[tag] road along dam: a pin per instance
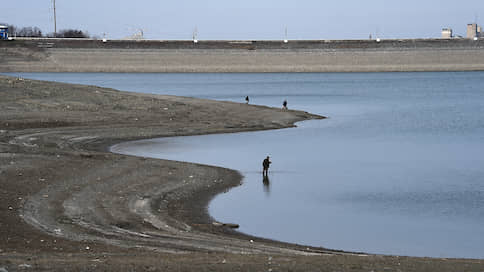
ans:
(86, 55)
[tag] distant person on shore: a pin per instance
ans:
(284, 105)
(265, 166)
(247, 100)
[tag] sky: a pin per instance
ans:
(248, 19)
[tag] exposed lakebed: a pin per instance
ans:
(396, 169)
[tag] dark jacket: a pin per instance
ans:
(266, 163)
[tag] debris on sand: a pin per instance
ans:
(230, 225)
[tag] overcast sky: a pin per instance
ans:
(249, 19)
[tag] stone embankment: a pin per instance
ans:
(75, 55)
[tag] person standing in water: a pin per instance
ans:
(284, 105)
(247, 100)
(265, 166)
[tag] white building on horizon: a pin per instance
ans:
(447, 33)
(474, 31)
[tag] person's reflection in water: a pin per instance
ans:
(267, 184)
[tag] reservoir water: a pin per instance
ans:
(398, 168)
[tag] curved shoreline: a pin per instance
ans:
(87, 207)
(87, 203)
(198, 217)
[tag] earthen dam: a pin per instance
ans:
(86, 55)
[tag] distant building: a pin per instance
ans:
(473, 31)
(136, 36)
(3, 32)
(446, 33)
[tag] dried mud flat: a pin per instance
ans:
(67, 204)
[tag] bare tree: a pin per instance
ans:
(72, 33)
(24, 31)
(29, 32)
(37, 32)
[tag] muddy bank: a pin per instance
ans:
(67, 203)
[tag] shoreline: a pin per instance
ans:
(200, 201)
(86, 203)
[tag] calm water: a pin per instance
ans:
(397, 169)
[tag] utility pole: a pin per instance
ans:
(194, 35)
(285, 35)
(55, 21)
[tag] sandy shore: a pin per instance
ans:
(67, 203)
